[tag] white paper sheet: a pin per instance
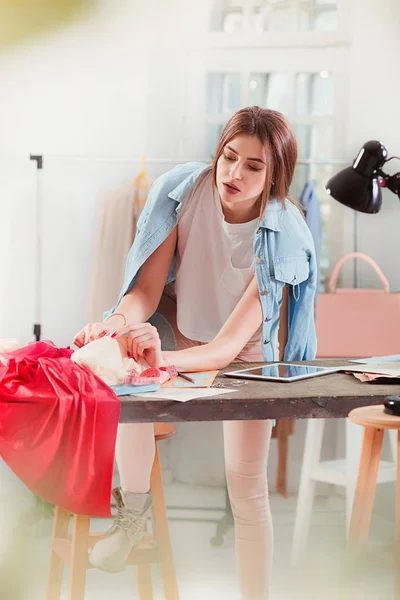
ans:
(391, 358)
(378, 368)
(183, 395)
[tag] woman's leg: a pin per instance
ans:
(135, 452)
(246, 453)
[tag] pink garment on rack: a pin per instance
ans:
(119, 212)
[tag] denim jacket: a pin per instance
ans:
(284, 255)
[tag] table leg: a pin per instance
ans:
(397, 559)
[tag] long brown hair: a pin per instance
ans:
(275, 133)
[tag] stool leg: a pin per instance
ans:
(56, 568)
(160, 523)
(79, 557)
(366, 486)
(397, 561)
(393, 443)
(311, 458)
(144, 582)
(354, 440)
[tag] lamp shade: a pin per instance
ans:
(358, 187)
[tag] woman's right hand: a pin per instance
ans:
(93, 331)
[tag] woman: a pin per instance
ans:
(225, 240)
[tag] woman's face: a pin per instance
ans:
(241, 170)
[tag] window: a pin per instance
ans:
(314, 93)
(318, 15)
(274, 16)
(305, 98)
(309, 107)
(287, 55)
(270, 90)
(223, 93)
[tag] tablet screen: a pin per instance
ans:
(284, 370)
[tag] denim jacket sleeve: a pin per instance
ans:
(288, 251)
(158, 218)
(302, 342)
(164, 197)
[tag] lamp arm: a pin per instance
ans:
(392, 182)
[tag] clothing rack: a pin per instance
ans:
(174, 160)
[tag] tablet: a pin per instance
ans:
(282, 372)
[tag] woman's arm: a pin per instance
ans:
(142, 300)
(230, 340)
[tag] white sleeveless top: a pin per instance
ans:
(215, 264)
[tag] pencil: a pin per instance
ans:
(184, 376)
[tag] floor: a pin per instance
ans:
(207, 572)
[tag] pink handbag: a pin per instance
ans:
(357, 322)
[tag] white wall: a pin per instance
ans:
(119, 83)
(80, 91)
(112, 86)
(373, 114)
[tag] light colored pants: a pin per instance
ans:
(246, 445)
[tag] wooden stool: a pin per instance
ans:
(375, 421)
(338, 472)
(155, 547)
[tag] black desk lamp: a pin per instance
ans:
(359, 186)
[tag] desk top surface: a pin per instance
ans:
(329, 396)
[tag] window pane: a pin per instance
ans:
(303, 135)
(279, 96)
(326, 20)
(213, 133)
(270, 90)
(322, 141)
(315, 141)
(314, 93)
(323, 94)
(322, 173)
(303, 100)
(232, 21)
(258, 89)
(300, 178)
(227, 16)
(275, 15)
(223, 93)
(318, 16)
(271, 16)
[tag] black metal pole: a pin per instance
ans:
(37, 328)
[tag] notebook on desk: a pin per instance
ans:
(203, 379)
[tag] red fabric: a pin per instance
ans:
(58, 426)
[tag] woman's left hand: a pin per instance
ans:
(143, 340)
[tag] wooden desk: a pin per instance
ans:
(330, 396)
